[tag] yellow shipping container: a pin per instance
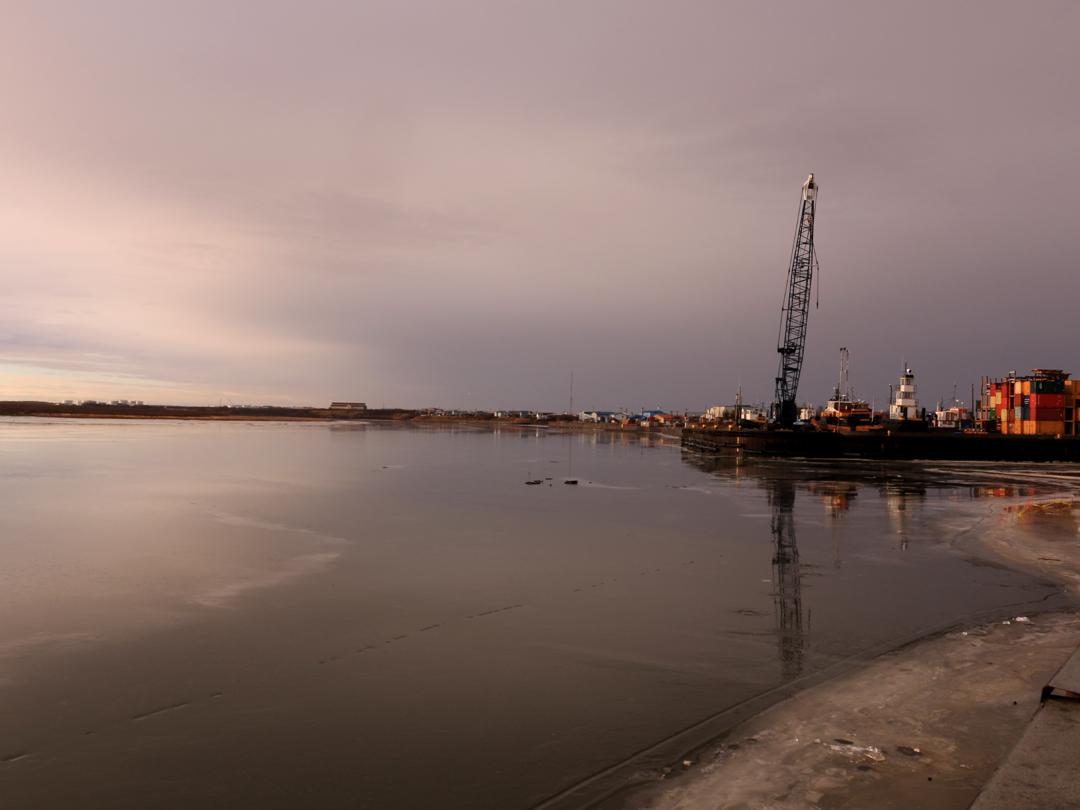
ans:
(1027, 386)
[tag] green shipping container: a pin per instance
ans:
(1048, 387)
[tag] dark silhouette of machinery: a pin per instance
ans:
(796, 309)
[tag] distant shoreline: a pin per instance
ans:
(50, 410)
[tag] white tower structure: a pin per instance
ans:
(906, 405)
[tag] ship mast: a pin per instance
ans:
(796, 309)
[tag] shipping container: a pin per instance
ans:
(1051, 428)
(1049, 386)
(1048, 414)
(1027, 387)
(1048, 400)
(1048, 418)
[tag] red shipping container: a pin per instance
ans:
(1047, 414)
(1047, 401)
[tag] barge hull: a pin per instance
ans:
(884, 446)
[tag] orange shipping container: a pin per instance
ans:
(1049, 428)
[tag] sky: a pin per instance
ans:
(461, 203)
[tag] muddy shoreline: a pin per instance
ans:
(925, 724)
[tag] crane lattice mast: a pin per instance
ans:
(796, 309)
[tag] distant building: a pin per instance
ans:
(348, 406)
(717, 412)
(595, 416)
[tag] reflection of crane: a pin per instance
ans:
(787, 589)
(796, 309)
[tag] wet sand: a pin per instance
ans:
(923, 726)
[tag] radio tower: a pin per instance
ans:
(796, 309)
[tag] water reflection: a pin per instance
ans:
(899, 493)
(837, 497)
(903, 502)
(787, 579)
(387, 585)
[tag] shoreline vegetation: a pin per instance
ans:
(924, 725)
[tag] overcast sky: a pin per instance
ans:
(461, 203)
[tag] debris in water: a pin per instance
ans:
(1022, 620)
(907, 750)
(848, 748)
(686, 764)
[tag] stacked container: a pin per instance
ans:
(1042, 404)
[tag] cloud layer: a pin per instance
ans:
(461, 203)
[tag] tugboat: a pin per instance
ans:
(904, 410)
(843, 410)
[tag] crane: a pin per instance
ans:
(796, 309)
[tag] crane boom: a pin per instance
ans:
(796, 309)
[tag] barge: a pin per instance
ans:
(883, 445)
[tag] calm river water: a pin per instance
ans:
(312, 615)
